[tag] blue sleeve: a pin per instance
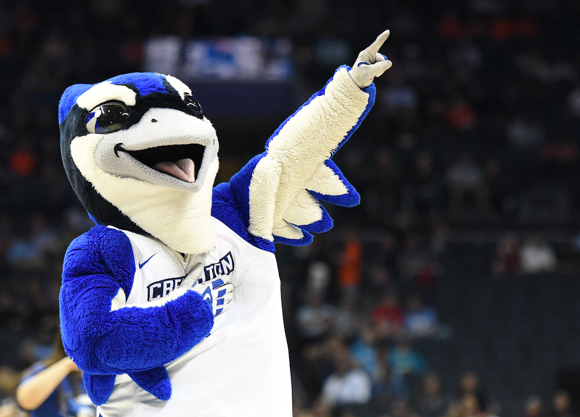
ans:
(103, 341)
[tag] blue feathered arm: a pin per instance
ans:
(106, 338)
(278, 192)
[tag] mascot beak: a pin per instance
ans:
(166, 147)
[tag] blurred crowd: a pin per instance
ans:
(477, 121)
(476, 125)
(345, 389)
(359, 308)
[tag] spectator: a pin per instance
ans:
(507, 256)
(424, 187)
(415, 258)
(22, 161)
(561, 151)
(525, 133)
(350, 266)
(399, 97)
(469, 385)
(533, 407)
(439, 239)
(561, 405)
(431, 401)
(404, 359)
(460, 115)
(574, 102)
(420, 320)
(465, 181)
(347, 384)
(9, 380)
(400, 408)
(537, 256)
(363, 352)
(386, 387)
(387, 317)
(5, 236)
(314, 319)
(466, 56)
(470, 406)
(346, 322)
(385, 263)
(317, 277)
(54, 388)
(500, 188)
(28, 251)
(11, 409)
(318, 363)
(382, 198)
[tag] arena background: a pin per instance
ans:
(452, 290)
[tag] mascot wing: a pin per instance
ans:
(277, 192)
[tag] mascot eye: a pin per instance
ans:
(107, 118)
(194, 105)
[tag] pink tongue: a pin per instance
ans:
(184, 169)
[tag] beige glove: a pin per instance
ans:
(370, 63)
(218, 292)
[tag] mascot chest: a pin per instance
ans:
(159, 270)
(248, 339)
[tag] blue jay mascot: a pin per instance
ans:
(147, 304)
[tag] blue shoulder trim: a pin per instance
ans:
(231, 205)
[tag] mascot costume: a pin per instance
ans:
(171, 304)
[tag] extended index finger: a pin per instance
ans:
(376, 45)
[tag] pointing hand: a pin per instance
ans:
(370, 63)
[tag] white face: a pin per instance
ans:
(159, 171)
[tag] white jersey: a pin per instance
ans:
(242, 368)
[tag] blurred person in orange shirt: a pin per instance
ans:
(350, 266)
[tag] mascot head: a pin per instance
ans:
(141, 156)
